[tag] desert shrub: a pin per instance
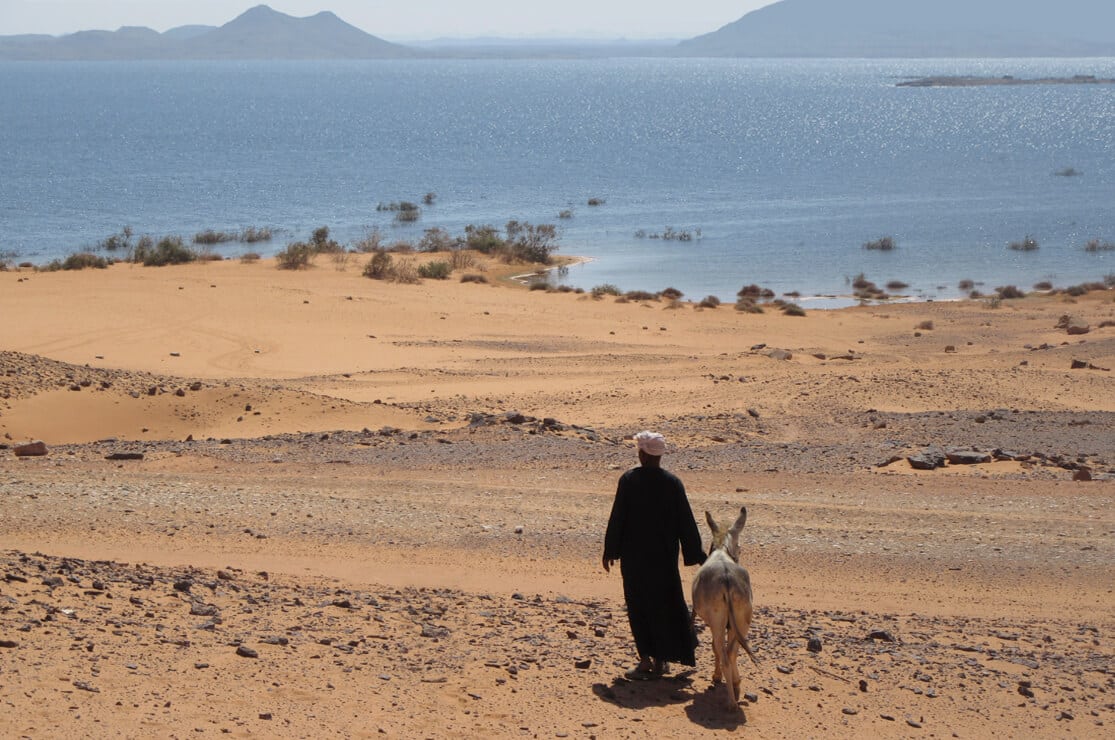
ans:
(994, 301)
(709, 301)
(379, 266)
(1043, 285)
(565, 214)
(671, 294)
(793, 309)
(531, 243)
(400, 247)
(484, 239)
(320, 242)
(251, 235)
(675, 304)
(7, 259)
(435, 240)
(925, 325)
(748, 305)
(437, 270)
(372, 242)
(462, 259)
(211, 237)
(596, 201)
(473, 278)
(296, 256)
(966, 285)
(538, 283)
(1095, 245)
(640, 295)
(168, 251)
(83, 260)
(249, 257)
(860, 282)
(1029, 244)
(605, 289)
(752, 292)
(405, 272)
(1109, 280)
(564, 289)
(897, 285)
(121, 241)
(1009, 291)
(883, 243)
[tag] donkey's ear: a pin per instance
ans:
(740, 521)
(711, 523)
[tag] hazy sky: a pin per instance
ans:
(397, 20)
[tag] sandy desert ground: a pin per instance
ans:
(309, 504)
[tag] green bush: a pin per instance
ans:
(606, 289)
(438, 270)
(379, 266)
(82, 260)
(296, 256)
(168, 251)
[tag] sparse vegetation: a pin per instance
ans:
(709, 301)
(251, 235)
(296, 256)
(671, 294)
(1095, 245)
(379, 266)
(437, 270)
(1068, 172)
(79, 261)
(372, 242)
(1009, 291)
(793, 309)
(473, 278)
(566, 214)
(320, 242)
(462, 259)
(121, 241)
(211, 237)
(640, 295)
(436, 240)
(748, 305)
(596, 201)
(1043, 285)
(7, 258)
(1028, 244)
(605, 289)
(168, 251)
(249, 257)
(883, 244)
(669, 234)
(966, 285)
(926, 325)
(897, 285)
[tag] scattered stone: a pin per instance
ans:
(814, 645)
(124, 456)
(31, 449)
(1024, 688)
(780, 354)
(849, 711)
(882, 635)
(246, 652)
(265, 715)
(957, 456)
(85, 686)
(1083, 473)
(930, 459)
(183, 585)
(8, 644)
(582, 664)
(433, 631)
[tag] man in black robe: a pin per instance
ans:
(650, 517)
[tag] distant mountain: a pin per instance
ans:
(258, 33)
(915, 28)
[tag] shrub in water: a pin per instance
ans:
(435, 240)
(885, 244)
(606, 289)
(168, 251)
(1009, 291)
(1029, 244)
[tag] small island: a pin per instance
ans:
(963, 81)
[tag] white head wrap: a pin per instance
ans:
(651, 443)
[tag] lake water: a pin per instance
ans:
(784, 167)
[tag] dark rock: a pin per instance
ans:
(1025, 690)
(780, 354)
(246, 652)
(582, 664)
(8, 644)
(198, 609)
(881, 635)
(927, 460)
(1079, 365)
(434, 632)
(814, 645)
(752, 698)
(274, 640)
(265, 715)
(849, 711)
(1082, 473)
(124, 456)
(31, 449)
(1077, 329)
(966, 457)
(514, 417)
(183, 585)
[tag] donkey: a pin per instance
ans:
(722, 598)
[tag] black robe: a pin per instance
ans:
(650, 517)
